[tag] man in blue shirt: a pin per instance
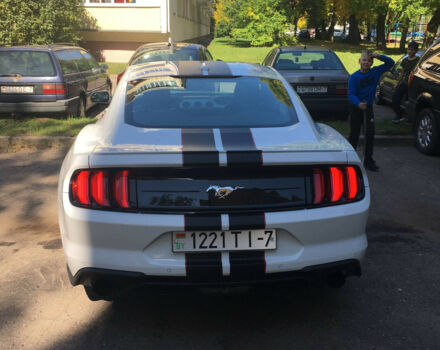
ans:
(361, 91)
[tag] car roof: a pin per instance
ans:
(166, 45)
(304, 48)
(199, 69)
(41, 47)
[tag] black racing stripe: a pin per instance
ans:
(247, 264)
(199, 222)
(198, 147)
(203, 266)
(247, 221)
(240, 147)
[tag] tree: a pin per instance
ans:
(261, 22)
(40, 22)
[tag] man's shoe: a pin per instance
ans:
(398, 120)
(371, 165)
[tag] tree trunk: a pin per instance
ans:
(380, 31)
(404, 32)
(353, 35)
(295, 24)
(331, 28)
(368, 32)
(431, 28)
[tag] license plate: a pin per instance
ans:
(311, 89)
(202, 241)
(17, 90)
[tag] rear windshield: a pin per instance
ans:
(303, 60)
(26, 63)
(173, 102)
(167, 55)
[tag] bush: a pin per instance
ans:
(40, 22)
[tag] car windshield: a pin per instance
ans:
(26, 63)
(175, 102)
(183, 54)
(307, 60)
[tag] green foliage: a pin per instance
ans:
(261, 22)
(40, 22)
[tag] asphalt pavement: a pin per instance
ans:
(394, 305)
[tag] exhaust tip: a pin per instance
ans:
(99, 289)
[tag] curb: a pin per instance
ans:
(12, 143)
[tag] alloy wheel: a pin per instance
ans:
(424, 131)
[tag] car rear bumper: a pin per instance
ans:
(58, 106)
(141, 243)
(121, 279)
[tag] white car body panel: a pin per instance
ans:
(141, 242)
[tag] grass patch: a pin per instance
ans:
(43, 126)
(228, 49)
(382, 126)
(114, 67)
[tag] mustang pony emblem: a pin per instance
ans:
(222, 192)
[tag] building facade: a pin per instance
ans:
(116, 28)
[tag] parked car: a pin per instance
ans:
(168, 52)
(423, 106)
(304, 34)
(388, 82)
(339, 34)
(209, 173)
(49, 79)
(316, 74)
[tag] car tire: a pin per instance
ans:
(426, 132)
(378, 98)
(81, 108)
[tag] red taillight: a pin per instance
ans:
(119, 77)
(318, 186)
(336, 184)
(121, 189)
(410, 79)
(80, 187)
(341, 89)
(99, 188)
(54, 89)
(352, 183)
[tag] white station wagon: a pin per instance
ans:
(207, 174)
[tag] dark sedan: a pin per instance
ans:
(317, 75)
(168, 52)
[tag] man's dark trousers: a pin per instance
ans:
(400, 91)
(356, 121)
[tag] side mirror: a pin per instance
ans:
(100, 97)
(104, 67)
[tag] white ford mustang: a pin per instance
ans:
(209, 173)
